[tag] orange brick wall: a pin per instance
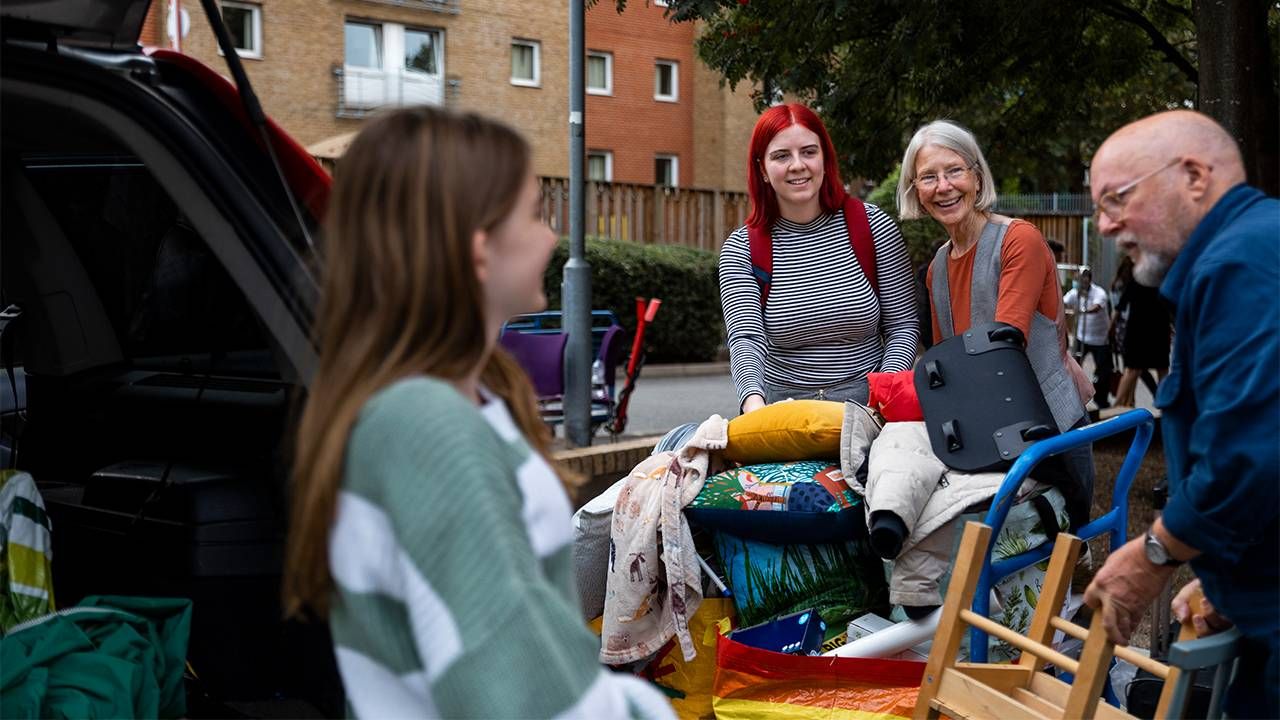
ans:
(630, 122)
(153, 28)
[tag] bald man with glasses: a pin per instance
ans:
(1171, 190)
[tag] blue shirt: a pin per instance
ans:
(1221, 407)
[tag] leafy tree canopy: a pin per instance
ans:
(1041, 82)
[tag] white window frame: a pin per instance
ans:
(255, 30)
(537, 63)
(608, 73)
(391, 83)
(437, 44)
(675, 168)
(380, 33)
(675, 81)
(608, 164)
(662, 3)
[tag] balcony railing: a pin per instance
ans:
(452, 7)
(363, 90)
(1077, 204)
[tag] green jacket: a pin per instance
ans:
(106, 657)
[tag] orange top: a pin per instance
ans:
(1028, 281)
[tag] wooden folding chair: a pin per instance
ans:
(1023, 689)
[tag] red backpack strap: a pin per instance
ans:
(761, 245)
(855, 219)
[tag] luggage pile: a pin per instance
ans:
(775, 504)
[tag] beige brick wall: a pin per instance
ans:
(303, 44)
(708, 128)
(479, 54)
(739, 119)
(709, 142)
(721, 131)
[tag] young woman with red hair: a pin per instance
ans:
(811, 324)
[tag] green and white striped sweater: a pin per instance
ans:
(451, 559)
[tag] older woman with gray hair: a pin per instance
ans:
(994, 269)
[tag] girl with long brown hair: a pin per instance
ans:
(426, 521)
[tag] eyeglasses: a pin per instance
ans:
(1113, 203)
(929, 181)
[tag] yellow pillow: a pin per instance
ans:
(795, 430)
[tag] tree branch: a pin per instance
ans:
(1178, 10)
(1159, 42)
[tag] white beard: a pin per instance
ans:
(1150, 268)
(1153, 256)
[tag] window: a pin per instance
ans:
(390, 64)
(666, 170)
(524, 63)
(364, 45)
(666, 80)
(600, 73)
(420, 47)
(600, 166)
(244, 23)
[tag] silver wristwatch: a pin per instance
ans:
(1157, 553)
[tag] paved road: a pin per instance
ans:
(660, 403)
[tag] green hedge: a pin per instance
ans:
(923, 235)
(689, 327)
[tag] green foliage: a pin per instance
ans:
(922, 235)
(1041, 82)
(840, 581)
(689, 326)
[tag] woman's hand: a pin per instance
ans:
(1204, 618)
(753, 402)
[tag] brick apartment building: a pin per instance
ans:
(655, 114)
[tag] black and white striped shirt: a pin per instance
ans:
(823, 325)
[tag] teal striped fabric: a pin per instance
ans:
(450, 553)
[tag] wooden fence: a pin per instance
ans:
(1059, 216)
(654, 214)
(649, 214)
(1065, 229)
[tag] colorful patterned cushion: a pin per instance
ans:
(795, 502)
(840, 580)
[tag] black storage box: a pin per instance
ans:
(982, 404)
(213, 535)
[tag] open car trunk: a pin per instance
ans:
(162, 344)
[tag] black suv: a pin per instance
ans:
(156, 250)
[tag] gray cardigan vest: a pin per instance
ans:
(1042, 347)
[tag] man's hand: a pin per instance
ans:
(753, 402)
(1124, 588)
(1204, 619)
